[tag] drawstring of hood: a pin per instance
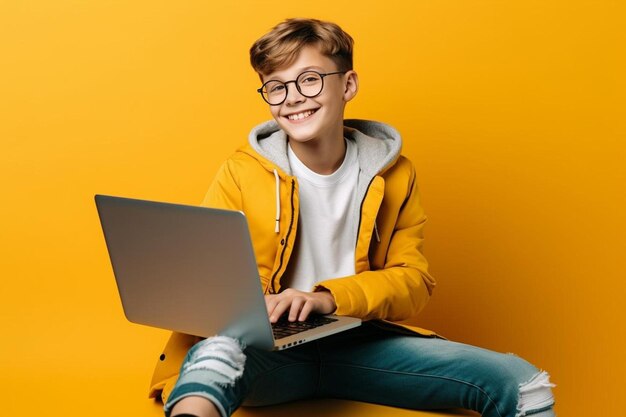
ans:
(277, 228)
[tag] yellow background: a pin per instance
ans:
(513, 112)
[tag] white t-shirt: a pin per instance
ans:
(326, 227)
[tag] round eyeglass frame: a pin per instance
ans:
(322, 76)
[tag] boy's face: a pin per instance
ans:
(321, 117)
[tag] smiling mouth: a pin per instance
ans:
(301, 115)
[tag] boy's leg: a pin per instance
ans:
(372, 365)
(195, 407)
(217, 370)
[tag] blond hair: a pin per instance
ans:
(280, 46)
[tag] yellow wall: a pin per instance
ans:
(512, 110)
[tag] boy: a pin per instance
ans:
(336, 225)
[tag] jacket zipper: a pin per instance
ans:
(282, 254)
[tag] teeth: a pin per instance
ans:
(300, 116)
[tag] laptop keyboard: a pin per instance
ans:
(283, 327)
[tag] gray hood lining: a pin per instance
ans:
(378, 144)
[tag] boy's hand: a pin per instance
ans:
(299, 304)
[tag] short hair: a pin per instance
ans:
(280, 46)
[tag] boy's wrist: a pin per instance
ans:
(328, 297)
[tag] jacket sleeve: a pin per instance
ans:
(224, 192)
(401, 289)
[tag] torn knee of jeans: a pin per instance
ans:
(535, 395)
(220, 356)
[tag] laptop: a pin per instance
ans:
(192, 270)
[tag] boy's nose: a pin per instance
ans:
(294, 96)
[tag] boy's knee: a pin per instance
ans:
(520, 388)
(535, 396)
(220, 356)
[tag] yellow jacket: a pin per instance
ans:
(391, 282)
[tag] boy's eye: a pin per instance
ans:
(275, 88)
(309, 79)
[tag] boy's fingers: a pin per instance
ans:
(270, 303)
(306, 310)
(300, 306)
(279, 310)
(296, 306)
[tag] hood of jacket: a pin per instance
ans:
(378, 145)
(378, 148)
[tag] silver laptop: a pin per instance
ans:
(192, 270)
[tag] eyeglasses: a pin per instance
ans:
(309, 84)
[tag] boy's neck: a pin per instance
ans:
(321, 156)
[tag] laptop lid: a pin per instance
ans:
(185, 268)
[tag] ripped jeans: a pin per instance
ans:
(366, 364)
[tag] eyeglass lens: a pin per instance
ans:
(309, 84)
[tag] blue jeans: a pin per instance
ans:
(367, 364)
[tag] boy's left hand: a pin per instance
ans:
(299, 303)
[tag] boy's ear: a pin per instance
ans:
(352, 85)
